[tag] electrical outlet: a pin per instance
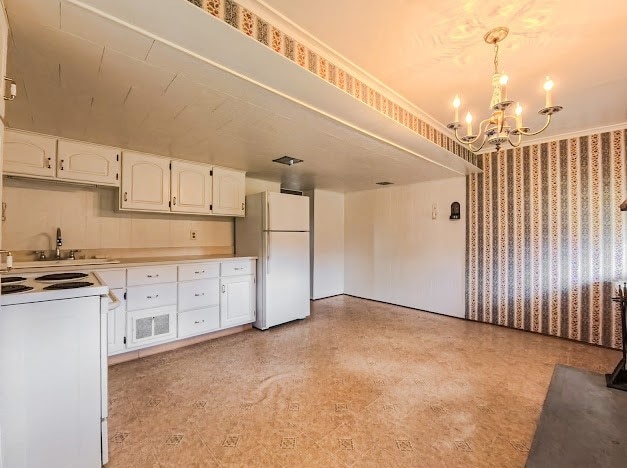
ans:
(193, 235)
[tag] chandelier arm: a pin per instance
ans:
(548, 121)
(485, 121)
(517, 144)
(466, 142)
(473, 149)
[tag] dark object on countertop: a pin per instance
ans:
(583, 423)
(618, 378)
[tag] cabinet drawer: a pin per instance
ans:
(151, 275)
(195, 322)
(197, 294)
(150, 296)
(242, 267)
(196, 271)
(115, 279)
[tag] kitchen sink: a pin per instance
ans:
(63, 263)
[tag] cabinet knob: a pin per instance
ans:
(199, 321)
(49, 165)
(61, 165)
(199, 294)
(242, 207)
(152, 276)
(152, 297)
(174, 201)
(125, 196)
(223, 288)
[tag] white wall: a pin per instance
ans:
(395, 252)
(89, 219)
(259, 185)
(327, 243)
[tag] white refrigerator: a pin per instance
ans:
(276, 230)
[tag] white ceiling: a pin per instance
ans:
(85, 77)
(432, 49)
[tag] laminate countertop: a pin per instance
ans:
(125, 263)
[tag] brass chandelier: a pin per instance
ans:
(501, 127)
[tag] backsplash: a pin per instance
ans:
(546, 238)
(89, 220)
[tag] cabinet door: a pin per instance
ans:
(236, 301)
(145, 182)
(4, 35)
(191, 187)
(151, 326)
(229, 191)
(84, 162)
(117, 324)
(29, 154)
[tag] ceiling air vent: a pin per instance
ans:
(385, 183)
(291, 192)
(287, 160)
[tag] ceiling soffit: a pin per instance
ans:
(351, 81)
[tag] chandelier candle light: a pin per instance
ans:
(500, 127)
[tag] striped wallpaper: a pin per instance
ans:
(545, 237)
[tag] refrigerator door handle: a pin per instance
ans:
(268, 252)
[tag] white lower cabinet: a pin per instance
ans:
(156, 308)
(116, 320)
(237, 300)
(150, 326)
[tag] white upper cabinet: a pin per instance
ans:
(191, 187)
(145, 182)
(229, 192)
(85, 162)
(5, 89)
(29, 154)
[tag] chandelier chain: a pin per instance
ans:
(496, 57)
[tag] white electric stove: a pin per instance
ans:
(35, 287)
(53, 369)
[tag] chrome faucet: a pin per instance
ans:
(57, 252)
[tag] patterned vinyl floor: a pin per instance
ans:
(359, 383)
